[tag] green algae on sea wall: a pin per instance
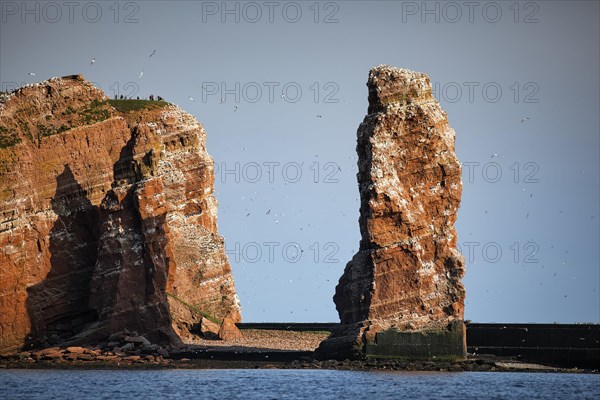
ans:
(446, 344)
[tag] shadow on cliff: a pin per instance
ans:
(109, 266)
(134, 298)
(58, 307)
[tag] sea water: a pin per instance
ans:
(293, 384)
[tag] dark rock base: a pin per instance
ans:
(347, 342)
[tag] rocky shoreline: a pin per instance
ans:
(91, 359)
(272, 349)
(134, 353)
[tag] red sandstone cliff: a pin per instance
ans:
(104, 211)
(406, 275)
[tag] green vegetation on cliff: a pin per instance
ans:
(96, 111)
(8, 138)
(125, 106)
(195, 309)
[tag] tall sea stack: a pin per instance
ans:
(401, 294)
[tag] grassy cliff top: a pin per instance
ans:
(126, 106)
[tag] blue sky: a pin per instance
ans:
(529, 219)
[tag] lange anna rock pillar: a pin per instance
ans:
(401, 294)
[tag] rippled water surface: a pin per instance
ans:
(292, 384)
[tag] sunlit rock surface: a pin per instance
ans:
(107, 218)
(406, 274)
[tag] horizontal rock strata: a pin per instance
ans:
(107, 218)
(406, 274)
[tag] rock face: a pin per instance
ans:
(107, 218)
(209, 329)
(229, 331)
(406, 274)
